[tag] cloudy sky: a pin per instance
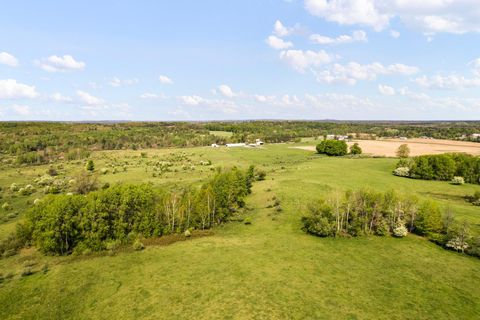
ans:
(243, 59)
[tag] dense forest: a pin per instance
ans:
(40, 142)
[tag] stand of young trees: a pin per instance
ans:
(61, 224)
(441, 167)
(332, 148)
(365, 212)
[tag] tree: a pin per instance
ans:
(332, 148)
(85, 182)
(403, 151)
(90, 166)
(355, 149)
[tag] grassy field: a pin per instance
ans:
(267, 270)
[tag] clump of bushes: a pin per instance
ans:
(445, 167)
(355, 149)
(367, 212)
(332, 148)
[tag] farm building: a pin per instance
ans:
(214, 145)
(233, 145)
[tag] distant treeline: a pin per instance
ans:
(442, 167)
(40, 142)
(61, 224)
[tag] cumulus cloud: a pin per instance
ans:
(116, 82)
(61, 64)
(11, 89)
(450, 82)
(149, 95)
(432, 16)
(357, 36)
(264, 98)
(394, 34)
(8, 59)
(88, 99)
(165, 80)
(353, 71)
(280, 30)
(192, 100)
(278, 43)
(22, 110)
(226, 91)
(58, 97)
(349, 12)
(386, 90)
(300, 60)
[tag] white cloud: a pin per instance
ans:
(116, 82)
(301, 60)
(88, 99)
(450, 82)
(61, 64)
(394, 34)
(427, 16)
(278, 43)
(264, 99)
(11, 89)
(226, 91)
(58, 97)
(476, 67)
(280, 30)
(353, 71)
(290, 100)
(357, 36)
(349, 12)
(8, 59)
(22, 110)
(165, 80)
(386, 90)
(148, 95)
(192, 100)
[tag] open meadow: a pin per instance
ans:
(267, 269)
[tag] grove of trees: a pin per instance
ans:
(62, 224)
(366, 212)
(441, 167)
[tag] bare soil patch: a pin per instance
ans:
(388, 147)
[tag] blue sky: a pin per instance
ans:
(250, 59)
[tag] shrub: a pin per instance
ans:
(138, 245)
(247, 221)
(429, 218)
(187, 233)
(27, 271)
(355, 149)
(6, 206)
(457, 244)
(104, 171)
(402, 172)
(85, 182)
(400, 230)
(458, 180)
(51, 171)
(90, 166)
(14, 187)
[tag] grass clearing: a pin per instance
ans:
(269, 269)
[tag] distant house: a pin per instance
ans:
(330, 137)
(259, 142)
(475, 136)
(403, 138)
(233, 145)
(214, 145)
